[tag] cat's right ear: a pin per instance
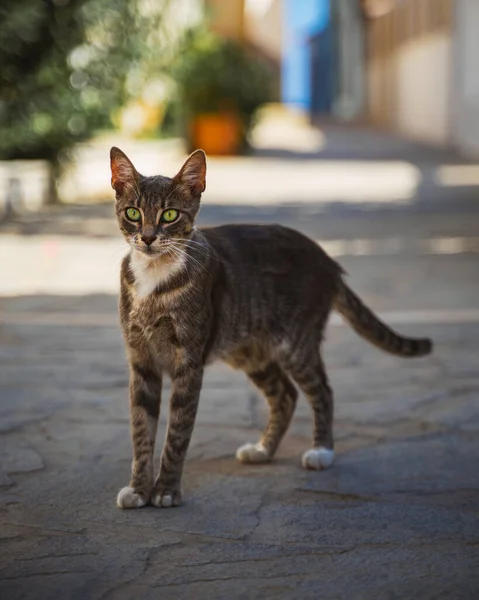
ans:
(123, 173)
(193, 173)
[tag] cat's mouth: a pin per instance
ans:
(152, 250)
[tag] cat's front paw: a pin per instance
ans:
(128, 497)
(165, 498)
(252, 453)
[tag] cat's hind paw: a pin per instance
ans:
(317, 458)
(128, 497)
(252, 453)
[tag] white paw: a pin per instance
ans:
(317, 458)
(166, 498)
(252, 453)
(161, 501)
(128, 498)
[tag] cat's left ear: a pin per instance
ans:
(123, 173)
(193, 173)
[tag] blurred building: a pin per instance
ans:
(409, 55)
(317, 46)
(337, 62)
(422, 75)
(464, 95)
(406, 65)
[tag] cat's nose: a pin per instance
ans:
(148, 239)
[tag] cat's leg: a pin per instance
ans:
(145, 397)
(281, 396)
(186, 384)
(308, 371)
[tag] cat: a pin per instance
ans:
(254, 296)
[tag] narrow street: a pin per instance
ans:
(396, 515)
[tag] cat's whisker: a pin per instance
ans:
(195, 262)
(206, 248)
(171, 253)
(194, 242)
(202, 250)
(195, 265)
(176, 253)
(189, 260)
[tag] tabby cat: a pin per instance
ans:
(255, 296)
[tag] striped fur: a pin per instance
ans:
(368, 326)
(255, 297)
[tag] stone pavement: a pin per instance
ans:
(396, 517)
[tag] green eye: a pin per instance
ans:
(133, 214)
(169, 215)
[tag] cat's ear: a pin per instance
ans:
(193, 173)
(123, 173)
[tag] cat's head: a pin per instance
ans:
(155, 213)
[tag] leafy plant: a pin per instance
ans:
(215, 74)
(68, 65)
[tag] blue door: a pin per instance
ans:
(302, 21)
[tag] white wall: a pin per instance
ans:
(381, 88)
(351, 79)
(465, 106)
(423, 68)
(263, 25)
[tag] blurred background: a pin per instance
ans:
(309, 111)
(354, 121)
(249, 77)
(314, 104)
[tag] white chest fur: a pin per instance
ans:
(149, 273)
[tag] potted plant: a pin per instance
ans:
(220, 85)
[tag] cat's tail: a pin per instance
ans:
(367, 325)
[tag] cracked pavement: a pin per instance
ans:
(396, 517)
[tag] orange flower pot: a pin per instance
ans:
(217, 133)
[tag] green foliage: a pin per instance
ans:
(68, 65)
(213, 73)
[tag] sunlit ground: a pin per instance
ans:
(42, 264)
(458, 175)
(287, 130)
(285, 170)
